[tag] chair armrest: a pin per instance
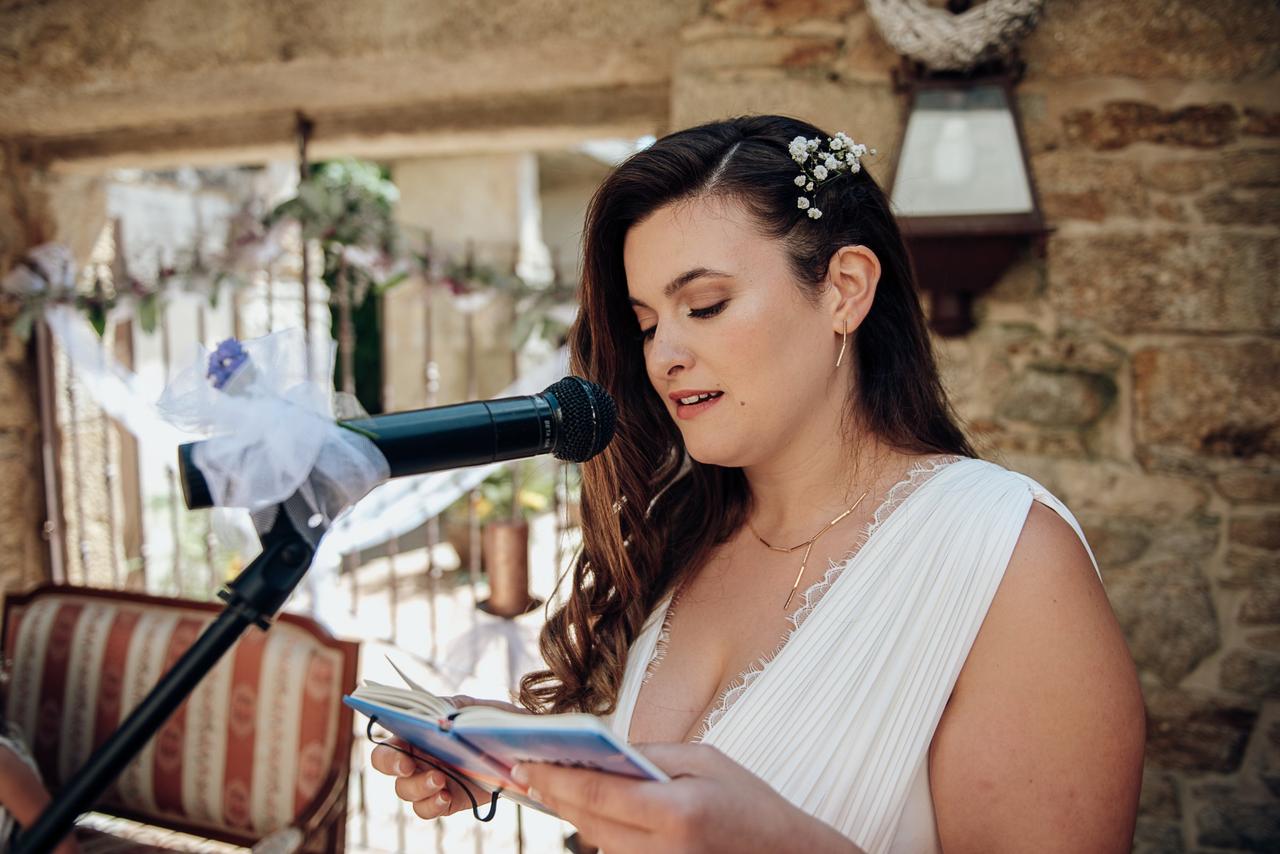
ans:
(288, 840)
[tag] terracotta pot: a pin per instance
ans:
(505, 550)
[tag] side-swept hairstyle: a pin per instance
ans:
(648, 522)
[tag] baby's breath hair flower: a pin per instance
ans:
(817, 167)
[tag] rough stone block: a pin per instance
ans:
(1119, 124)
(1057, 397)
(998, 439)
(1267, 642)
(1085, 352)
(1183, 174)
(1262, 603)
(1255, 167)
(1172, 210)
(1021, 283)
(1181, 40)
(1122, 491)
(1226, 820)
(1195, 538)
(770, 14)
(1172, 281)
(1270, 765)
(1249, 486)
(20, 503)
(1155, 836)
(1260, 531)
(1196, 732)
(1090, 188)
(758, 52)
(1250, 206)
(865, 55)
(1252, 674)
(1261, 122)
(1116, 542)
(18, 410)
(1179, 396)
(1244, 566)
(869, 113)
(1159, 798)
(1041, 131)
(1167, 614)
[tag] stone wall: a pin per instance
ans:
(24, 221)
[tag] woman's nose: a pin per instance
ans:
(667, 354)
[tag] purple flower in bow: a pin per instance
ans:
(225, 361)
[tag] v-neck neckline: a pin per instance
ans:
(707, 723)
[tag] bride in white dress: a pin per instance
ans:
(800, 592)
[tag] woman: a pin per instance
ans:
(955, 680)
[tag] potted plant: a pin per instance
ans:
(507, 500)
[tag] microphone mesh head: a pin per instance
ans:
(587, 419)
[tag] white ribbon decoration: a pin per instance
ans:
(273, 431)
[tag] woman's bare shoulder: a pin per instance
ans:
(1040, 747)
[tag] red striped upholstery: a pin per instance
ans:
(259, 744)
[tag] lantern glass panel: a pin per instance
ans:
(961, 156)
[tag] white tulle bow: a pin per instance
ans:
(273, 431)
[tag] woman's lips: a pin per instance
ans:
(685, 411)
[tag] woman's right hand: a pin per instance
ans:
(431, 793)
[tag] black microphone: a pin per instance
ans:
(572, 418)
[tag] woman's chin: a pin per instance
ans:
(717, 456)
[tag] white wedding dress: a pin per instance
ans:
(840, 717)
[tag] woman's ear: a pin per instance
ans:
(854, 272)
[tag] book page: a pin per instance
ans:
(405, 699)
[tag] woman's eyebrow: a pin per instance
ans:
(683, 279)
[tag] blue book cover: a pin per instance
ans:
(482, 743)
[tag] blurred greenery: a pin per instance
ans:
(499, 501)
(348, 205)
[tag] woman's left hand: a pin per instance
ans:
(712, 804)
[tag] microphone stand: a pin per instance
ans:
(252, 599)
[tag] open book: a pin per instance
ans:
(482, 743)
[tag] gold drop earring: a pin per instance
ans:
(844, 339)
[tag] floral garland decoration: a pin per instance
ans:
(35, 286)
(347, 206)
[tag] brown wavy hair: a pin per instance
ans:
(650, 515)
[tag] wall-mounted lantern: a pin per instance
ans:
(963, 190)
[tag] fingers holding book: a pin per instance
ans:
(431, 794)
(474, 749)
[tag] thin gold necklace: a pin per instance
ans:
(807, 543)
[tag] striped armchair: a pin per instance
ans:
(261, 746)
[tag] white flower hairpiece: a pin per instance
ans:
(817, 166)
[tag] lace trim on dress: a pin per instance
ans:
(664, 637)
(919, 473)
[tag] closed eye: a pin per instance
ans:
(709, 311)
